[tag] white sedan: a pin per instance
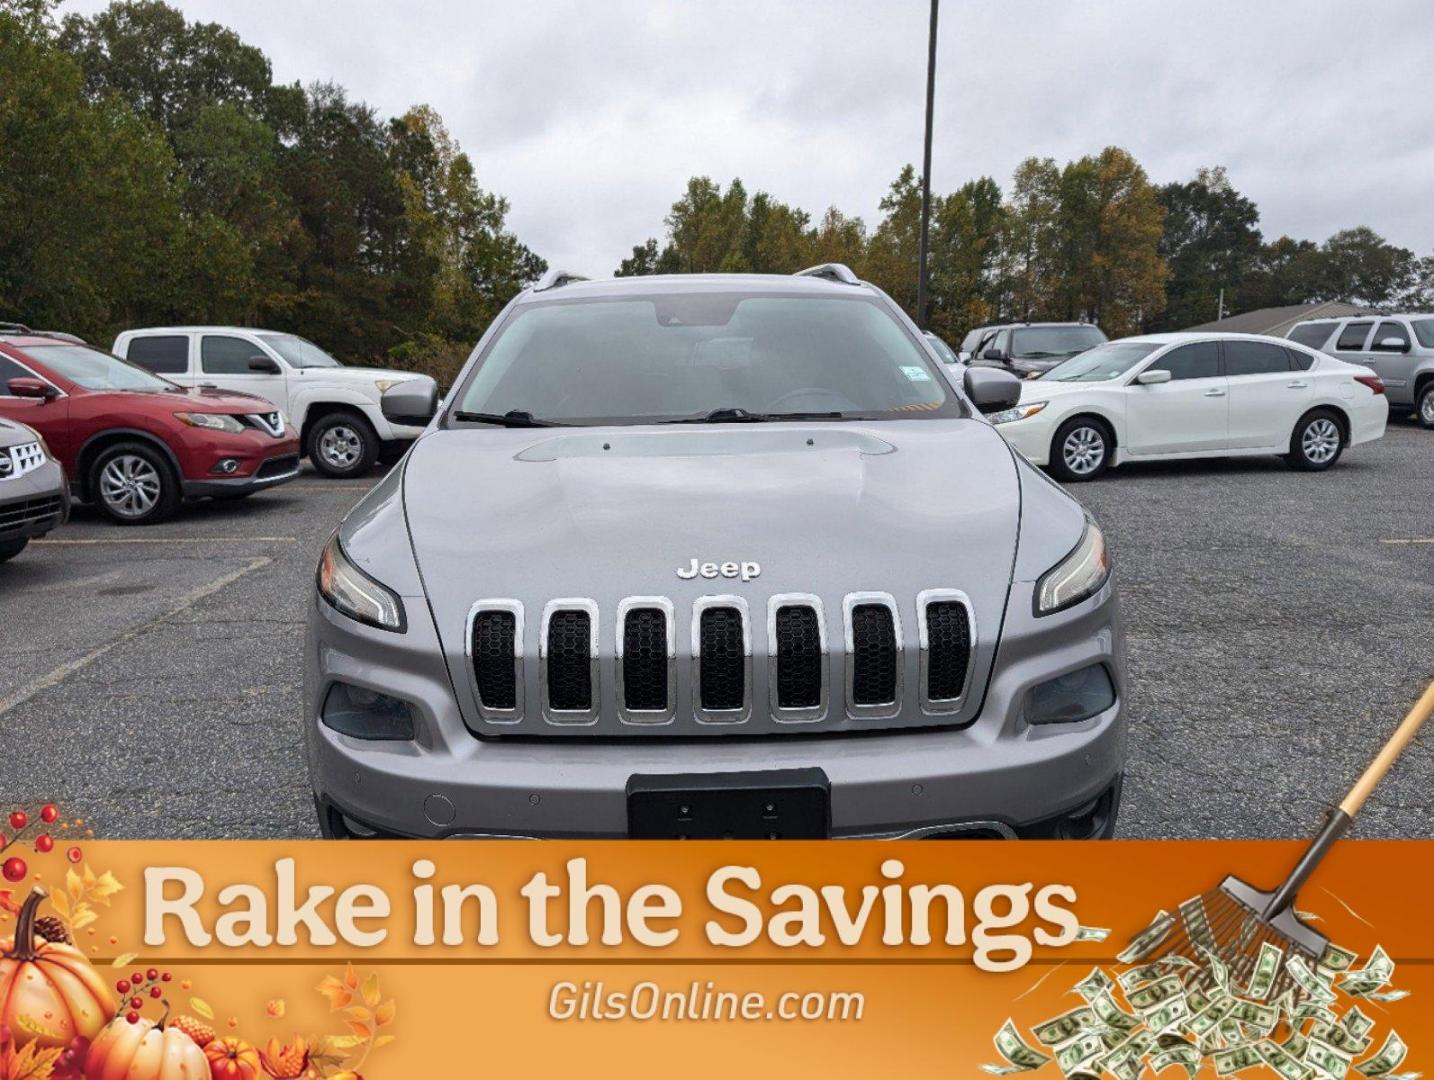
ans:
(1162, 397)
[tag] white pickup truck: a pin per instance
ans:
(335, 408)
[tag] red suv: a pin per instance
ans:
(132, 443)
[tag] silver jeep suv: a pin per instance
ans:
(1400, 348)
(712, 556)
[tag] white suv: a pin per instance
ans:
(335, 408)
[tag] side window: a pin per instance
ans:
(1001, 341)
(164, 355)
(1351, 338)
(1302, 361)
(226, 355)
(1255, 358)
(1312, 334)
(10, 370)
(1198, 361)
(1384, 332)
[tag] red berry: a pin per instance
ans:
(152, 974)
(49, 813)
(74, 854)
(155, 991)
(15, 869)
(19, 819)
(44, 843)
(122, 986)
(132, 1017)
(136, 1003)
(137, 978)
(165, 977)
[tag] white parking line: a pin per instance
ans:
(65, 670)
(176, 540)
(1409, 540)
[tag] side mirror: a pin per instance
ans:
(264, 365)
(1392, 344)
(412, 402)
(32, 388)
(1153, 377)
(998, 355)
(990, 389)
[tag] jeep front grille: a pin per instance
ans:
(609, 672)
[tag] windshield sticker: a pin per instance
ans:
(916, 373)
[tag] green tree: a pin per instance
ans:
(1211, 242)
(840, 239)
(893, 253)
(966, 232)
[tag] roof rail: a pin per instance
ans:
(556, 279)
(833, 271)
(14, 328)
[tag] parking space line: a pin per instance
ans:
(64, 671)
(174, 540)
(1409, 540)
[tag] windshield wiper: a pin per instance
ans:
(515, 418)
(742, 416)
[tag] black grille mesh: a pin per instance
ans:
(722, 658)
(948, 637)
(570, 680)
(873, 657)
(644, 659)
(799, 658)
(493, 661)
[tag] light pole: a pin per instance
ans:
(926, 171)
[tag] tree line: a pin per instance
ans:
(1092, 239)
(152, 171)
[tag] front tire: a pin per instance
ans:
(1317, 442)
(1424, 407)
(342, 446)
(1080, 450)
(133, 484)
(10, 548)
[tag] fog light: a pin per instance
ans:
(366, 714)
(227, 466)
(1071, 698)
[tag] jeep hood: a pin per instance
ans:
(605, 514)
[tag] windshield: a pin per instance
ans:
(95, 370)
(298, 352)
(942, 349)
(1424, 331)
(649, 359)
(1050, 342)
(1104, 362)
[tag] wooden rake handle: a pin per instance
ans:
(1384, 761)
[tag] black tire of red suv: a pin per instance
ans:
(10, 548)
(342, 445)
(132, 483)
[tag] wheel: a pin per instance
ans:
(1425, 409)
(342, 445)
(134, 485)
(1080, 450)
(1316, 443)
(10, 548)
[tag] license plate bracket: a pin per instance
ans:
(779, 804)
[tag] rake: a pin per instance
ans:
(1235, 920)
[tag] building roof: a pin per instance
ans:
(1277, 320)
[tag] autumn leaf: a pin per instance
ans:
(7, 902)
(276, 1008)
(123, 960)
(363, 1031)
(32, 1062)
(202, 1007)
(351, 979)
(359, 1013)
(103, 888)
(371, 993)
(84, 915)
(337, 993)
(61, 903)
(383, 1040)
(384, 1014)
(74, 885)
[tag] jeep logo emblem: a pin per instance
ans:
(744, 570)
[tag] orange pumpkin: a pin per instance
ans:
(49, 994)
(144, 1051)
(232, 1059)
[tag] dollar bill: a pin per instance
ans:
(1197, 923)
(1019, 1056)
(1391, 1055)
(1295, 1044)
(1217, 969)
(1257, 1015)
(1144, 973)
(1112, 1015)
(1149, 939)
(1235, 1059)
(1387, 995)
(1355, 1022)
(1092, 933)
(1308, 981)
(1151, 996)
(1267, 966)
(1094, 984)
(1329, 1060)
(1375, 974)
(1080, 1052)
(1208, 1019)
(1168, 1015)
(1335, 958)
(1063, 1028)
(1186, 1056)
(1281, 1060)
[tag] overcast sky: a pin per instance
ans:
(590, 116)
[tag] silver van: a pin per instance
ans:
(1400, 348)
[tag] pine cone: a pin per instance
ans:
(52, 929)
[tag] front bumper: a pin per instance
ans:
(1031, 437)
(276, 470)
(1000, 774)
(34, 504)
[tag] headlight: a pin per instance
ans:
(1020, 412)
(212, 421)
(1079, 575)
(387, 384)
(355, 594)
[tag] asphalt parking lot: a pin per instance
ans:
(1279, 626)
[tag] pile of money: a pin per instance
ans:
(1193, 1011)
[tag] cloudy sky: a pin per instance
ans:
(590, 116)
